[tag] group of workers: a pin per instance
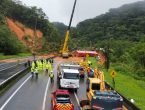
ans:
(38, 66)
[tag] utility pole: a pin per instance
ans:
(34, 41)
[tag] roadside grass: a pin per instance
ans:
(2, 56)
(126, 85)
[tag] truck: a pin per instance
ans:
(100, 97)
(68, 78)
(72, 65)
(68, 65)
(61, 100)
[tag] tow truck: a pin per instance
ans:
(99, 97)
(61, 100)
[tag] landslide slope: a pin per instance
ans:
(21, 21)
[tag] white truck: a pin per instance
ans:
(68, 78)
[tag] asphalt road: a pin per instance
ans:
(6, 65)
(35, 94)
(13, 69)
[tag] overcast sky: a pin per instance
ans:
(60, 10)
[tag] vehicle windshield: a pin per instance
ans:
(71, 76)
(70, 67)
(95, 86)
(62, 98)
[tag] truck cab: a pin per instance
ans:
(99, 98)
(61, 100)
(68, 79)
(68, 65)
(92, 85)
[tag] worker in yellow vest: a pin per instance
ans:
(40, 66)
(51, 75)
(36, 71)
(47, 67)
(32, 68)
(44, 64)
(50, 67)
(33, 64)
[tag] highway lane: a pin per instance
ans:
(5, 74)
(75, 97)
(35, 94)
(29, 95)
(6, 65)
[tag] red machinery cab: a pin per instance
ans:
(61, 100)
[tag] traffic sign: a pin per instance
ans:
(113, 73)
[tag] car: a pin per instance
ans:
(61, 100)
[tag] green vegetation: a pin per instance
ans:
(9, 43)
(31, 17)
(121, 32)
(2, 56)
(125, 84)
(124, 23)
(61, 28)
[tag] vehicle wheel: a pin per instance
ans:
(76, 90)
(59, 86)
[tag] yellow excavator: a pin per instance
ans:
(65, 52)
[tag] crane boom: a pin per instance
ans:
(65, 49)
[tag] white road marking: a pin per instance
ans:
(45, 95)
(8, 100)
(77, 100)
(11, 77)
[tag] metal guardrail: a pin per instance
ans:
(7, 81)
(12, 66)
(127, 103)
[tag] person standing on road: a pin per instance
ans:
(40, 66)
(29, 63)
(47, 67)
(51, 75)
(32, 71)
(32, 68)
(44, 64)
(36, 71)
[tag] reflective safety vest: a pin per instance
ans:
(44, 64)
(33, 64)
(50, 67)
(36, 70)
(47, 66)
(40, 66)
(51, 75)
(32, 69)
